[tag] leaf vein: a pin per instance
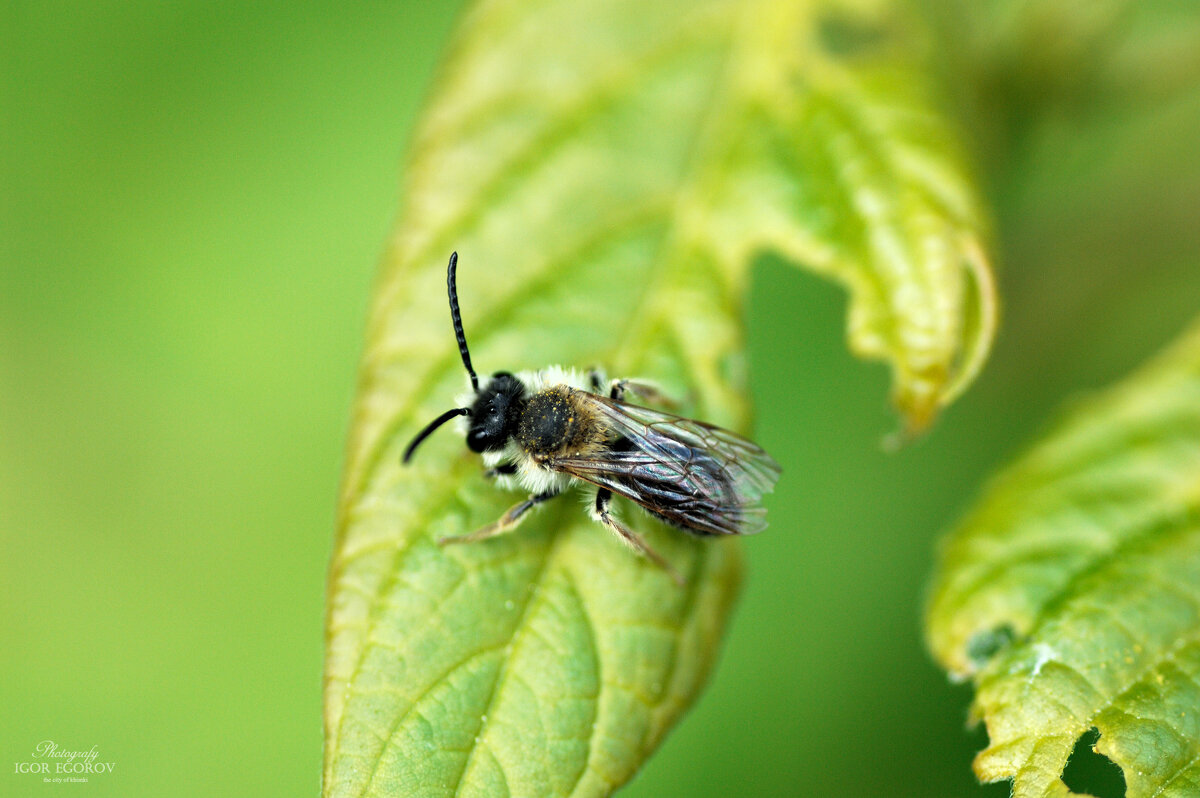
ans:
(533, 597)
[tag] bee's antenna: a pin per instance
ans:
(456, 317)
(437, 422)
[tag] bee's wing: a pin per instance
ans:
(692, 474)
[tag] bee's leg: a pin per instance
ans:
(603, 498)
(596, 380)
(502, 470)
(507, 522)
(643, 390)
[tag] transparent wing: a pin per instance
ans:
(691, 474)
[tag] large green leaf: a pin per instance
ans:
(607, 172)
(1071, 594)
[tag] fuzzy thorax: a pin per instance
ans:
(550, 410)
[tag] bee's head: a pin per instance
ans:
(495, 412)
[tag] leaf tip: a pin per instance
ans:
(921, 395)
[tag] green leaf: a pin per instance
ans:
(1071, 594)
(607, 172)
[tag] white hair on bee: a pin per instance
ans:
(557, 375)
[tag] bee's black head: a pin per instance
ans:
(495, 412)
(497, 405)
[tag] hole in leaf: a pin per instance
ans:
(986, 644)
(1091, 773)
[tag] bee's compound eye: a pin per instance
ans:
(494, 414)
(477, 440)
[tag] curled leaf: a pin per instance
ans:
(1071, 594)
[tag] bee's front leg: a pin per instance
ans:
(507, 522)
(602, 514)
(502, 470)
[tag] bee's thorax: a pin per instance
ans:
(554, 422)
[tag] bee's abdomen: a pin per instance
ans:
(552, 423)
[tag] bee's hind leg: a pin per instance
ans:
(603, 499)
(642, 390)
(507, 522)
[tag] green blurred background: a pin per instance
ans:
(193, 198)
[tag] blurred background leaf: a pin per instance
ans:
(192, 198)
(608, 171)
(1069, 594)
(1082, 115)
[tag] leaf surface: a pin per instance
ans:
(607, 172)
(1071, 594)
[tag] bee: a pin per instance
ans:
(546, 431)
